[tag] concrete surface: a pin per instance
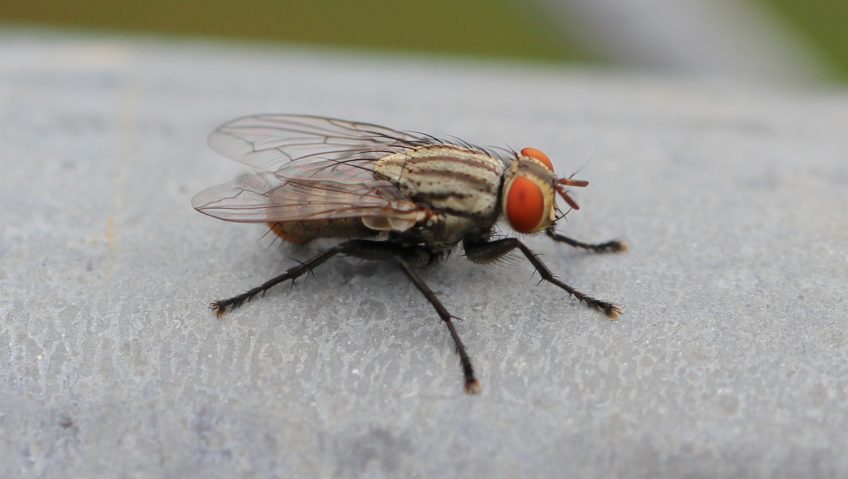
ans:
(731, 359)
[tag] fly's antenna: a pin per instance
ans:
(561, 184)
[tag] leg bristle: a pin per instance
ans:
(473, 387)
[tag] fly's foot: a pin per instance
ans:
(612, 311)
(473, 386)
(613, 247)
(222, 306)
(219, 308)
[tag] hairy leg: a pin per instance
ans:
(606, 247)
(376, 251)
(472, 386)
(364, 249)
(492, 250)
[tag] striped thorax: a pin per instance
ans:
(465, 185)
(457, 181)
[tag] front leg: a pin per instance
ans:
(607, 247)
(492, 250)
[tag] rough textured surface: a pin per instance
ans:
(731, 359)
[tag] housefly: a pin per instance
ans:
(391, 195)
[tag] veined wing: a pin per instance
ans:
(266, 197)
(289, 145)
(313, 168)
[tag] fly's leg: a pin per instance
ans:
(607, 247)
(492, 250)
(364, 249)
(222, 306)
(370, 250)
(472, 386)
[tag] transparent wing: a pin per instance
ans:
(313, 168)
(267, 197)
(288, 144)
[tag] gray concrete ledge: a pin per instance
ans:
(731, 359)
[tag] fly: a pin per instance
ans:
(390, 195)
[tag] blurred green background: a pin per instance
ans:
(481, 28)
(824, 23)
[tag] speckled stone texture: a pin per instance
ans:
(731, 359)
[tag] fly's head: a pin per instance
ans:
(530, 189)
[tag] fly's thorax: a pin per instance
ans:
(528, 199)
(456, 180)
(452, 229)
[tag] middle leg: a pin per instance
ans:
(472, 386)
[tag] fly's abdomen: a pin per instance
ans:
(462, 182)
(305, 231)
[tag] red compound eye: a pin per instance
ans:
(525, 205)
(539, 155)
